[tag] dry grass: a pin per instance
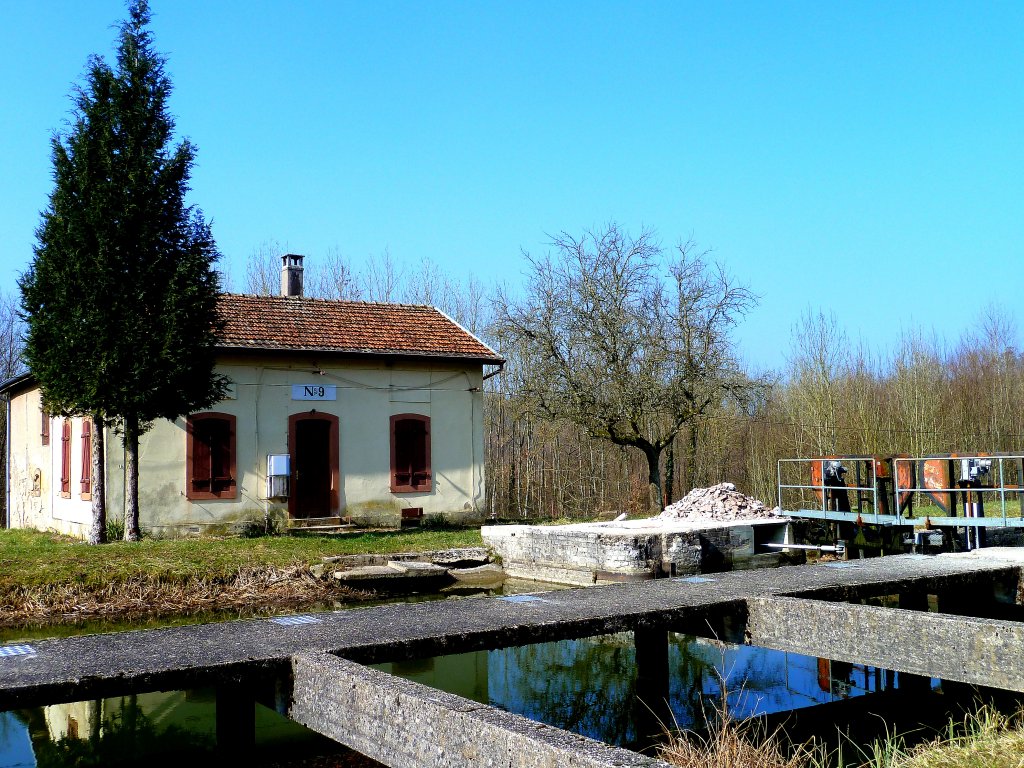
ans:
(252, 588)
(35, 559)
(985, 739)
(730, 744)
(47, 579)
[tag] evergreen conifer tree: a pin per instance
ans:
(120, 299)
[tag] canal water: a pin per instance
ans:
(169, 728)
(589, 686)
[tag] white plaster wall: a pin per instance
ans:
(29, 501)
(368, 393)
(71, 515)
(36, 503)
(79, 719)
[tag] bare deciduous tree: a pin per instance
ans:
(630, 345)
(819, 361)
(334, 278)
(465, 301)
(12, 333)
(263, 269)
(11, 364)
(383, 279)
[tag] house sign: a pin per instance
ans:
(314, 392)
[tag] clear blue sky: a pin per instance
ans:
(862, 158)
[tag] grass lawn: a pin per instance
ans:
(30, 559)
(992, 508)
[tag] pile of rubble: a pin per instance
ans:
(719, 502)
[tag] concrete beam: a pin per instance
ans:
(407, 725)
(960, 648)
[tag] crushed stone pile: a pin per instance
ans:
(719, 502)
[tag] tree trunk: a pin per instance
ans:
(691, 458)
(98, 491)
(131, 471)
(670, 472)
(654, 480)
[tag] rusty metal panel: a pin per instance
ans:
(937, 473)
(817, 478)
(905, 478)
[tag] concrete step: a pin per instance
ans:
(395, 576)
(463, 557)
(321, 530)
(313, 522)
(491, 574)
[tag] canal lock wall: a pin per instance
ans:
(596, 553)
(314, 663)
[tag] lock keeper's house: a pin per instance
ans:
(336, 409)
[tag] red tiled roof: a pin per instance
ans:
(278, 322)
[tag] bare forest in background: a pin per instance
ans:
(927, 396)
(11, 365)
(833, 395)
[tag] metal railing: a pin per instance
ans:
(888, 499)
(824, 490)
(974, 510)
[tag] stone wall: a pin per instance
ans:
(596, 552)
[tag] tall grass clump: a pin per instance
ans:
(984, 738)
(731, 744)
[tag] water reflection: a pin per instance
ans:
(155, 729)
(15, 742)
(589, 685)
(592, 686)
(152, 729)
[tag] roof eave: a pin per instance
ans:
(369, 353)
(19, 383)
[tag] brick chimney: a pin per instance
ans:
(291, 275)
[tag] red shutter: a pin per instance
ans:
(403, 460)
(219, 434)
(65, 458)
(86, 456)
(201, 475)
(210, 464)
(410, 453)
(44, 430)
(417, 437)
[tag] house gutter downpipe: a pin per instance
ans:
(7, 466)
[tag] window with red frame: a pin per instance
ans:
(410, 453)
(65, 459)
(86, 483)
(210, 460)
